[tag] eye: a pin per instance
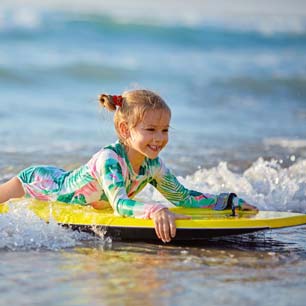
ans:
(150, 129)
(165, 130)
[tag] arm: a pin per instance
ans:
(114, 182)
(168, 185)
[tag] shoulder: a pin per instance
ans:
(111, 154)
(105, 153)
(116, 147)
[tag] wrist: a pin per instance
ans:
(225, 201)
(237, 202)
(158, 210)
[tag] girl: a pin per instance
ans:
(119, 171)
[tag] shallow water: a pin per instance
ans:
(252, 270)
(46, 264)
(235, 78)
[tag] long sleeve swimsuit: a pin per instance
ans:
(109, 176)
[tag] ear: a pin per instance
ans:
(124, 130)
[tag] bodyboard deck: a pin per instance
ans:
(204, 223)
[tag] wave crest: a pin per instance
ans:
(265, 184)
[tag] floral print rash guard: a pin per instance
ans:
(109, 176)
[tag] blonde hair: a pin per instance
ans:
(132, 106)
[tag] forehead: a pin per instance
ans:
(156, 117)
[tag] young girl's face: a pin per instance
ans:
(150, 135)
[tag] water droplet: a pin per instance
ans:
(292, 158)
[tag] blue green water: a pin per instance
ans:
(235, 79)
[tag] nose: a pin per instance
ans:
(158, 136)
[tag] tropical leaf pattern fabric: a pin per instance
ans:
(109, 176)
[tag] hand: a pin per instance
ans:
(247, 206)
(164, 222)
(100, 204)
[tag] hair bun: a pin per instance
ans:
(107, 102)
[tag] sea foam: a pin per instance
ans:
(21, 229)
(265, 184)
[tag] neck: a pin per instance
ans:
(136, 159)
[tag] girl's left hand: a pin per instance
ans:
(247, 206)
(164, 221)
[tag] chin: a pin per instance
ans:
(152, 156)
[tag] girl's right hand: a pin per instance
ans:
(164, 222)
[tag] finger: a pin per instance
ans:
(160, 229)
(157, 229)
(254, 208)
(249, 207)
(182, 217)
(161, 225)
(172, 228)
(166, 230)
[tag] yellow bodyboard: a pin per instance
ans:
(209, 222)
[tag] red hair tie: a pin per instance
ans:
(117, 100)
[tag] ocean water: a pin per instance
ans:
(235, 79)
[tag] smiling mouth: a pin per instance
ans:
(154, 148)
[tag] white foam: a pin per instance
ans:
(265, 184)
(21, 229)
(277, 188)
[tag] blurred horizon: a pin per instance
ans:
(247, 56)
(249, 12)
(233, 73)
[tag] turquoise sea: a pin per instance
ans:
(234, 75)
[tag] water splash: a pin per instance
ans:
(21, 229)
(278, 188)
(265, 184)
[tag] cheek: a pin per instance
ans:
(138, 137)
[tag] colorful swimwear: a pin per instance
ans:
(109, 176)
